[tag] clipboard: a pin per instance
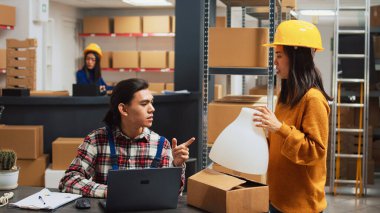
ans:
(45, 199)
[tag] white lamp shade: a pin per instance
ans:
(242, 146)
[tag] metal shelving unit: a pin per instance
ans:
(207, 71)
(137, 70)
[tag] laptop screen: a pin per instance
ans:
(143, 189)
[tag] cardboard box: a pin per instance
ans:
(230, 111)
(171, 59)
(238, 47)
(25, 140)
(156, 24)
(7, 15)
(53, 177)
(375, 16)
(32, 172)
(64, 150)
(96, 24)
(153, 59)
(27, 43)
(255, 178)
(22, 82)
(127, 24)
(221, 21)
(21, 53)
(217, 192)
(21, 72)
(28, 63)
(173, 24)
(47, 93)
(218, 91)
(156, 87)
(105, 61)
(125, 59)
(3, 59)
(169, 86)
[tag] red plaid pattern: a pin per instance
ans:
(87, 174)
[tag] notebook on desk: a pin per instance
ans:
(142, 189)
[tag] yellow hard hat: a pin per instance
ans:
(92, 47)
(297, 33)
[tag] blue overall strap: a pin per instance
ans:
(111, 141)
(157, 159)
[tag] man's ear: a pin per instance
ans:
(122, 109)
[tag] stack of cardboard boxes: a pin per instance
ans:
(27, 142)
(21, 63)
(64, 150)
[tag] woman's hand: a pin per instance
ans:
(181, 152)
(266, 119)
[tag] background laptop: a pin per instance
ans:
(143, 189)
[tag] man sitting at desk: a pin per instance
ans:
(125, 143)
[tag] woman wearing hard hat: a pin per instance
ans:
(91, 71)
(298, 130)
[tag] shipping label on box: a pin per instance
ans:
(156, 24)
(64, 151)
(217, 192)
(96, 24)
(7, 15)
(153, 59)
(25, 140)
(238, 47)
(127, 24)
(32, 172)
(125, 59)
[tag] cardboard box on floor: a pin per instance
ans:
(25, 140)
(238, 47)
(217, 192)
(64, 150)
(32, 172)
(221, 114)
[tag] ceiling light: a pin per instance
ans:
(317, 12)
(147, 2)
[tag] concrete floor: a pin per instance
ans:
(347, 202)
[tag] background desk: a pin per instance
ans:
(24, 191)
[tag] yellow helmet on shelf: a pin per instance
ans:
(297, 33)
(92, 47)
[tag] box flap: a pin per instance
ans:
(217, 179)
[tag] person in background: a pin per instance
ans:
(298, 130)
(91, 72)
(126, 142)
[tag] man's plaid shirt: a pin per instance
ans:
(87, 174)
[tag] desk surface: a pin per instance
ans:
(24, 191)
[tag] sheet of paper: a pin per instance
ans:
(45, 199)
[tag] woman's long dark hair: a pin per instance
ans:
(123, 92)
(303, 75)
(97, 69)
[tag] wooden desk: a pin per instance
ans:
(24, 191)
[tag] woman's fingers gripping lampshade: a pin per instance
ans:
(242, 146)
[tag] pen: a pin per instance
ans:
(40, 198)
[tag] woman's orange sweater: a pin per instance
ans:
(297, 155)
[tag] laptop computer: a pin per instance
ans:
(142, 189)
